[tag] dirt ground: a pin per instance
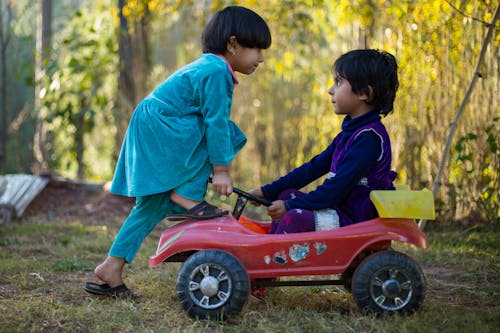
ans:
(73, 201)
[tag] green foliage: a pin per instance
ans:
(284, 107)
(476, 173)
(79, 93)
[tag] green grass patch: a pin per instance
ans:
(45, 262)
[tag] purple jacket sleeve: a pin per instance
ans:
(308, 172)
(356, 163)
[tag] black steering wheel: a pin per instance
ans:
(243, 198)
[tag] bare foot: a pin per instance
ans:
(183, 202)
(110, 271)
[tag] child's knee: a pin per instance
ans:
(290, 194)
(296, 220)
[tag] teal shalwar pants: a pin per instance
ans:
(148, 211)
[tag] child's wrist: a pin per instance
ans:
(220, 169)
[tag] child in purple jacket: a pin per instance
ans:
(356, 162)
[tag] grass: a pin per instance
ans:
(45, 260)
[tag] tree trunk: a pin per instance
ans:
(140, 45)
(79, 141)
(126, 93)
(133, 52)
(5, 18)
(43, 51)
(367, 33)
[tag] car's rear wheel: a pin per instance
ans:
(212, 284)
(388, 282)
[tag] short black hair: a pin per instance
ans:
(375, 68)
(247, 26)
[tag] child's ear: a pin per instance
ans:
(231, 45)
(367, 96)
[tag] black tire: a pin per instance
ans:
(388, 282)
(212, 284)
(346, 278)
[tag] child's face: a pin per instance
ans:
(345, 101)
(245, 60)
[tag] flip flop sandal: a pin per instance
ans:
(201, 211)
(104, 289)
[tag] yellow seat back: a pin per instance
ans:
(404, 203)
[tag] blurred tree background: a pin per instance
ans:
(72, 72)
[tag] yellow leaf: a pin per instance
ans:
(113, 11)
(153, 5)
(288, 59)
(279, 68)
(126, 11)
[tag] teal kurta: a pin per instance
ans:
(179, 131)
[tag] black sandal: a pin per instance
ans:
(201, 211)
(104, 289)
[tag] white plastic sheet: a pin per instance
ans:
(18, 190)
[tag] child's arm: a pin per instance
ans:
(221, 180)
(301, 176)
(277, 208)
(355, 164)
(215, 93)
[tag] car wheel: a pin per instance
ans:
(212, 284)
(346, 278)
(388, 282)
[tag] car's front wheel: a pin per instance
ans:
(212, 284)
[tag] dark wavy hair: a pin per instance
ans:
(247, 26)
(371, 68)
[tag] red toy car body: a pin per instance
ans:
(224, 256)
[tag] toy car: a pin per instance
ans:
(225, 256)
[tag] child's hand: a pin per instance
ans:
(222, 183)
(256, 193)
(276, 210)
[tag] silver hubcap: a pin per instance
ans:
(391, 289)
(209, 286)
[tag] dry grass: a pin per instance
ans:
(45, 260)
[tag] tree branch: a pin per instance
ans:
(463, 104)
(467, 15)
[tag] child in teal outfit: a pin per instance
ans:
(179, 136)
